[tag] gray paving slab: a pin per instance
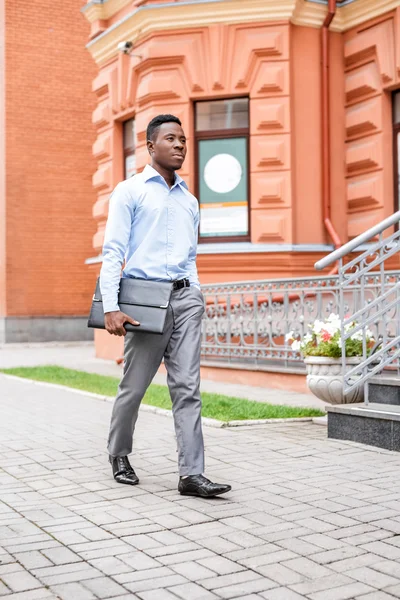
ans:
(294, 525)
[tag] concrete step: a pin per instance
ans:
(385, 389)
(375, 424)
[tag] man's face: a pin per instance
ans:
(168, 148)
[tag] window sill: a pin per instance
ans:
(249, 247)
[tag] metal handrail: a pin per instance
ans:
(381, 313)
(358, 241)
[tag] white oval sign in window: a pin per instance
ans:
(222, 173)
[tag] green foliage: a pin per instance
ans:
(215, 406)
(333, 348)
(324, 339)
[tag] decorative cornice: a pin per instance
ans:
(154, 18)
(103, 9)
(309, 14)
(356, 13)
(182, 15)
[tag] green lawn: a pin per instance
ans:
(215, 406)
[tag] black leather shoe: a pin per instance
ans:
(198, 485)
(122, 470)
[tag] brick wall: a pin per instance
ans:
(2, 167)
(49, 164)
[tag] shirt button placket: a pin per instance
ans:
(170, 232)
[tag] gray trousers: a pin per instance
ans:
(179, 345)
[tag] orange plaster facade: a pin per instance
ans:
(174, 72)
(206, 51)
(372, 66)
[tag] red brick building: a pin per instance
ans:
(46, 167)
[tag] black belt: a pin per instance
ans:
(181, 284)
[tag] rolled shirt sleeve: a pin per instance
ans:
(116, 240)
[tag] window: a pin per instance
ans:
(396, 148)
(129, 148)
(222, 146)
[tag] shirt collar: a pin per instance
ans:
(150, 173)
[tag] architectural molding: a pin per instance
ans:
(371, 67)
(309, 14)
(98, 10)
(263, 265)
(244, 247)
(360, 11)
(240, 247)
(156, 18)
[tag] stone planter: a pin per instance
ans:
(325, 380)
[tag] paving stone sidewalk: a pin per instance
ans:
(307, 517)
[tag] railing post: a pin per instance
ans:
(342, 316)
(364, 337)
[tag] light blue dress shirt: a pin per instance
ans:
(154, 228)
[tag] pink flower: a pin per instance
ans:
(325, 336)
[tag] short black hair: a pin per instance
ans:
(153, 126)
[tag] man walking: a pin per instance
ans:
(152, 224)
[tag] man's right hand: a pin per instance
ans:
(114, 322)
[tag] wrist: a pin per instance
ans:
(109, 307)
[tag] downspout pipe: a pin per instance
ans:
(326, 151)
